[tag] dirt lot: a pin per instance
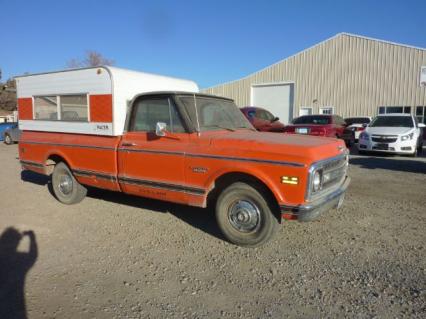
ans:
(117, 256)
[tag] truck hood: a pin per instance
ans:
(388, 130)
(276, 146)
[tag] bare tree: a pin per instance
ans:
(92, 58)
(8, 95)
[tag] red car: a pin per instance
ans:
(322, 125)
(262, 120)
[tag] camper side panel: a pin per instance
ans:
(73, 101)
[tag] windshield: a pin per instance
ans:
(214, 113)
(392, 121)
(312, 119)
(264, 115)
(357, 120)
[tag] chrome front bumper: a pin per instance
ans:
(313, 210)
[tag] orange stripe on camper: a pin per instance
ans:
(25, 108)
(101, 108)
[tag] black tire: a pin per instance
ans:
(420, 148)
(7, 139)
(350, 142)
(240, 201)
(65, 187)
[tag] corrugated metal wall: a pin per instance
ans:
(353, 74)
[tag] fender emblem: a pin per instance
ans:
(199, 169)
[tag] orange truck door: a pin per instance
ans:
(151, 165)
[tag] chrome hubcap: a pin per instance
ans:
(244, 216)
(65, 184)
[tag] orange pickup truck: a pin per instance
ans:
(190, 148)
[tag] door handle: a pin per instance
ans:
(128, 144)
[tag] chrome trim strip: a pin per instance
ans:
(100, 175)
(242, 159)
(150, 151)
(219, 157)
(31, 163)
(69, 145)
(166, 186)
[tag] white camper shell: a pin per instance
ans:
(86, 101)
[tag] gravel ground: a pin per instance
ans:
(117, 256)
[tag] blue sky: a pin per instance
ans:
(210, 42)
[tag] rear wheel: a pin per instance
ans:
(7, 139)
(244, 216)
(65, 187)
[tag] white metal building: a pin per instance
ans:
(348, 74)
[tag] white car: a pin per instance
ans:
(356, 124)
(392, 133)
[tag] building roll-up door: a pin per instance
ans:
(276, 98)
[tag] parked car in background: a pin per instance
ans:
(392, 133)
(357, 124)
(322, 125)
(262, 120)
(4, 127)
(12, 135)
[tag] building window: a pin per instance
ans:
(394, 109)
(326, 110)
(421, 114)
(46, 108)
(74, 108)
(305, 110)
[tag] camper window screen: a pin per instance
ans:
(46, 107)
(74, 108)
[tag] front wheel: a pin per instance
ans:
(65, 187)
(244, 216)
(7, 139)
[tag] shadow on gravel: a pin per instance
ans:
(14, 266)
(389, 163)
(201, 218)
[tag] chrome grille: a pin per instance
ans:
(333, 174)
(384, 138)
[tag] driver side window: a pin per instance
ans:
(148, 112)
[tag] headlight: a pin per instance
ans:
(364, 136)
(407, 137)
(317, 181)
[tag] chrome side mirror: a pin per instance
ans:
(160, 129)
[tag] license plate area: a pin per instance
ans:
(382, 146)
(302, 130)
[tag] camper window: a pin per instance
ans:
(46, 108)
(74, 108)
